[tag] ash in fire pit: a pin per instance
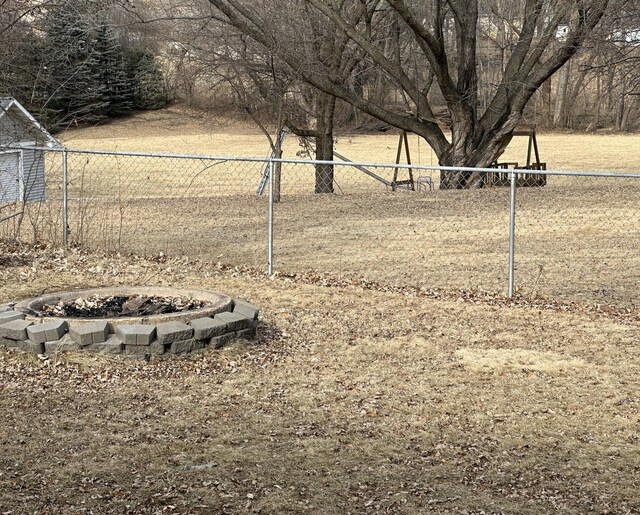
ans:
(120, 306)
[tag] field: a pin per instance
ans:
(576, 238)
(183, 132)
(419, 389)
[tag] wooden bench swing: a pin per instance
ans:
(491, 179)
(496, 179)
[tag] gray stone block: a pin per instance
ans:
(10, 316)
(185, 346)
(113, 346)
(7, 342)
(47, 332)
(15, 330)
(157, 348)
(170, 332)
(247, 334)
(6, 307)
(235, 321)
(93, 332)
(137, 350)
(65, 344)
(136, 334)
(207, 328)
(242, 307)
(29, 346)
(199, 346)
(218, 342)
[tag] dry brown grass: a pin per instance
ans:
(175, 130)
(353, 401)
(573, 243)
(577, 238)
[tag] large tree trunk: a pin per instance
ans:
(469, 151)
(325, 108)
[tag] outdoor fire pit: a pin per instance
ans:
(141, 322)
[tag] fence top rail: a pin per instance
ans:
(351, 164)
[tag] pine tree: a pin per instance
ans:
(76, 93)
(112, 71)
(148, 80)
(79, 72)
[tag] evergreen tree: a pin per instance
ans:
(75, 89)
(112, 71)
(78, 72)
(148, 80)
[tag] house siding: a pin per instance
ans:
(33, 175)
(22, 175)
(12, 132)
(9, 177)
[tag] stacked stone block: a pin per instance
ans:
(133, 340)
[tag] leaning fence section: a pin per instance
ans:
(576, 235)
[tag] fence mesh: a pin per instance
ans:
(427, 238)
(576, 239)
(177, 206)
(35, 221)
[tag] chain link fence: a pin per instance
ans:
(576, 234)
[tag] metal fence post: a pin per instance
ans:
(65, 200)
(512, 233)
(270, 220)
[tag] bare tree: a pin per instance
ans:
(254, 64)
(444, 35)
(612, 68)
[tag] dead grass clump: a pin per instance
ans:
(505, 360)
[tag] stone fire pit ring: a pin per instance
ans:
(32, 326)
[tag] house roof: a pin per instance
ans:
(11, 107)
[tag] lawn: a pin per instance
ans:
(354, 400)
(179, 131)
(390, 374)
